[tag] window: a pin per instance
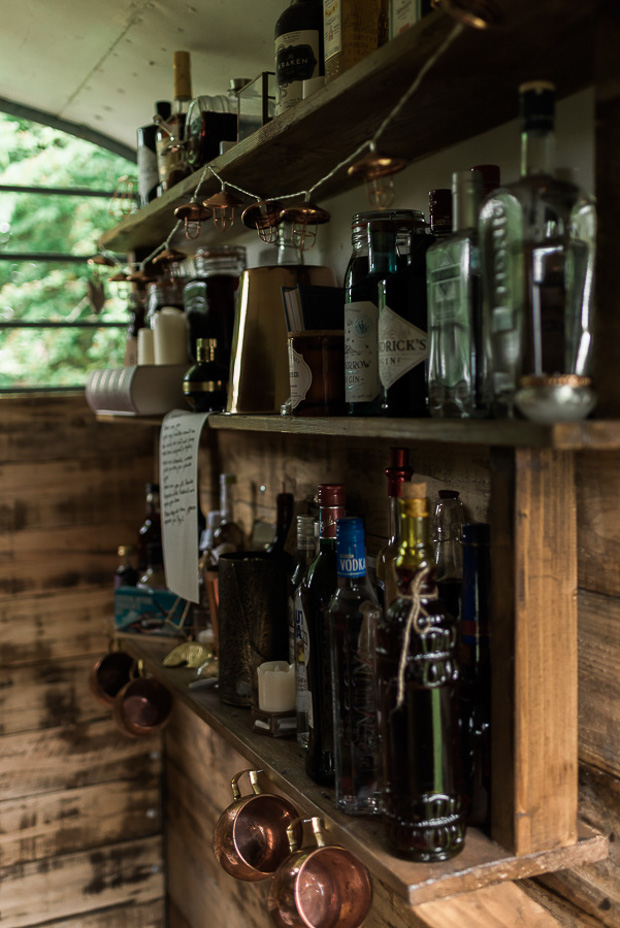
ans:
(60, 318)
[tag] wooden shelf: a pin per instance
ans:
(454, 102)
(481, 863)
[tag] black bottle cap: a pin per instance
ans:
(476, 533)
(537, 106)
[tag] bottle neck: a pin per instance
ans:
(328, 518)
(226, 506)
(382, 256)
(537, 152)
(416, 550)
(394, 515)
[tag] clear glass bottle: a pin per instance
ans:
(537, 255)
(475, 671)
(352, 30)
(317, 590)
(353, 614)
(205, 385)
(455, 369)
(304, 555)
(172, 162)
(298, 36)
(228, 536)
(402, 327)
(418, 708)
(210, 295)
(150, 530)
(448, 519)
(398, 472)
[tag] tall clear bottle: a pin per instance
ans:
(455, 369)
(317, 590)
(417, 679)
(354, 613)
(397, 473)
(298, 631)
(537, 253)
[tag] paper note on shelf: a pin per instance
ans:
(178, 478)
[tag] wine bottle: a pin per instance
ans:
(316, 592)
(353, 614)
(417, 678)
(298, 38)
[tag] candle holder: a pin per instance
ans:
(274, 724)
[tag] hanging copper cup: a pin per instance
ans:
(109, 675)
(325, 886)
(143, 707)
(251, 835)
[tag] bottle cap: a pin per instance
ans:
(412, 490)
(398, 471)
(537, 106)
(331, 494)
(163, 108)
(476, 533)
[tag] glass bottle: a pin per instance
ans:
(455, 373)
(153, 577)
(448, 518)
(205, 385)
(491, 177)
(317, 590)
(285, 504)
(150, 530)
(397, 473)
(125, 574)
(352, 30)
(353, 615)
(440, 212)
(228, 536)
(298, 38)
(137, 316)
(402, 337)
(475, 671)
(172, 161)
(209, 298)
(304, 555)
(146, 154)
(537, 255)
(418, 708)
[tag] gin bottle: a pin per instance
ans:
(455, 308)
(537, 256)
(353, 614)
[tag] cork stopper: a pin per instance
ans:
(181, 75)
(413, 490)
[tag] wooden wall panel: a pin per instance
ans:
(129, 915)
(598, 512)
(599, 680)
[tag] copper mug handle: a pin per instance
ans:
(325, 886)
(250, 839)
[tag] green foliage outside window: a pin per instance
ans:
(33, 155)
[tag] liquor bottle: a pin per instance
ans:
(537, 255)
(440, 212)
(153, 576)
(352, 30)
(353, 615)
(209, 298)
(418, 708)
(448, 518)
(137, 320)
(398, 472)
(317, 590)
(368, 264)
(298, 632)
(475, 671)
(146, 154)
(285, 504)
(455, 369)
(172, 161)
(298, 38)
(228, 536)
(125, 574)
(150, 530)
(402, 337)
(205, 384)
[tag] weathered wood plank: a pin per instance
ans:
(130, 915)
(599, 680)
(51, 824)
(534, 644)
(74, 756)
(598, 492)
(42, 891)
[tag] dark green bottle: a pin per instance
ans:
(205, 385)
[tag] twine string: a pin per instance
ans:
(414, 616)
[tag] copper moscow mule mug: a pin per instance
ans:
(142, 707)
(325, 886)
(251, 835)
(109, 675)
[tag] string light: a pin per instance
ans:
(193, 214)
(304, 220)
(223, 206)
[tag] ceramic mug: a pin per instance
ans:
(251, 835)
(324, 886)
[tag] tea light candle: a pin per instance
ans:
(276, 687)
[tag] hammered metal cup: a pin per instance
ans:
(325, 886)
(251, 835)
(109, 675)
(142, 707)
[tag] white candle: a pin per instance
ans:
(276, 686)
(170, 326)
(146, 346)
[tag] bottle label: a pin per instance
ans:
(297, 60)
(148, 174)
(351, 564)
(361, 364)
(402, 346)
(300, 377)
(332, 27)
(448, 292)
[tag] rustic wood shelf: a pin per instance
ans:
(297, 149)
(481, 863)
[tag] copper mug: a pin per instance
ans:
(143, 707)
(324, 886)
(251, 835)
(109, 675)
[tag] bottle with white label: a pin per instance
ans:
(298, 38)
(402, 327)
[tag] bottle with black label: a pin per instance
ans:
(298, 38)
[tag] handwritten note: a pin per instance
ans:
(178, 463)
